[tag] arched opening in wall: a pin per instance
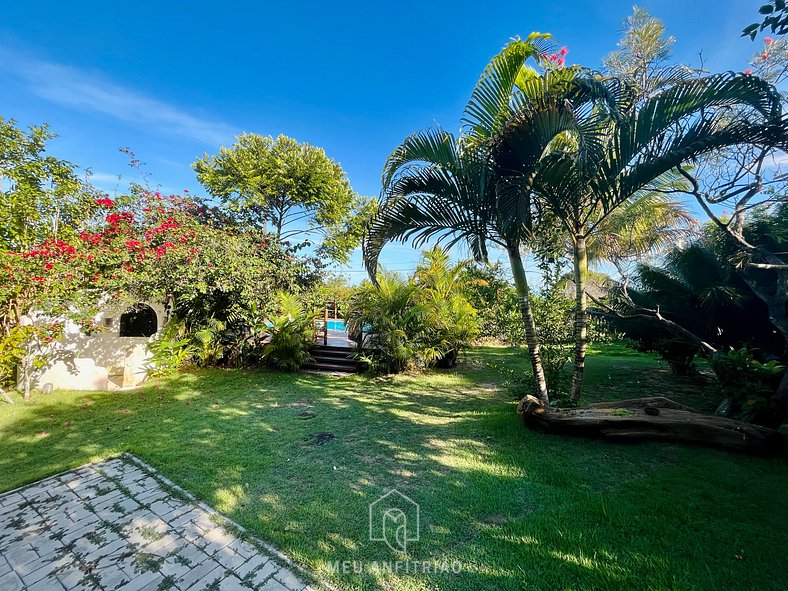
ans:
(139, 321)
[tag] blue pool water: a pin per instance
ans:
(336, 325)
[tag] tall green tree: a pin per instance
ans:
(643, 53)
(41, 196)
(632, 148)
(440, 186)
(293, 187)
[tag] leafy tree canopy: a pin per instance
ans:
(642, 52)
(41, 197)
(292, 186)
(775, 19)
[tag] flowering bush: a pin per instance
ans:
(141, 247)
(67, 250)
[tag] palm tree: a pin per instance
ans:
(436, 185)
(624, 151)
(450, 194)
(389, 313)
(450, 317)
(645, 225)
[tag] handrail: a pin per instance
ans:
(330, 307)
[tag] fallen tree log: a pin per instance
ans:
(655, 418)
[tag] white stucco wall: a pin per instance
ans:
(101, 361)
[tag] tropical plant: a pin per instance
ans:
(290, 334)
(170, 350)
(745, 383)
(208, 343)
(696, 288)
(622, 149)
(440, 186)
(388, 314)
(644, 226)
(450, 320)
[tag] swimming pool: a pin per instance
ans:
(337, 325)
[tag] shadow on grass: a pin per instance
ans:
(515, 509)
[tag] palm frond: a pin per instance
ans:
(488, 107)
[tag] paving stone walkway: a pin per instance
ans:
(119, 525)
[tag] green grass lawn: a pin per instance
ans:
(517, 509)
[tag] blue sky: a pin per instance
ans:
(172, 80)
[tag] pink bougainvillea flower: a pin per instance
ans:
(553, 57)
(564, 51)
(768, 40)
(105, 202)
(560, 61)
(748, 71)
(43, 434)
(765, 56)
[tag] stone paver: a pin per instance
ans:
(118, 525)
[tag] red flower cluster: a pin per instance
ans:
(169, 224)
(105, 202)
(162, 250)
(559, 58)
(115, 219)
(51, 249)
(94, 239)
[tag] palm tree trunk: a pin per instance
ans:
(524, 296)
(581, 316)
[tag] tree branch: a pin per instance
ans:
(654, 314)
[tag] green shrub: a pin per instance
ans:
(171, 350)
(745, 383)
(209, 348)
(487, 289)
(392, 322)
(450, 320)
(414, 323)
(291, 334)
